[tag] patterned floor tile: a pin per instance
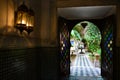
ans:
(84, 67)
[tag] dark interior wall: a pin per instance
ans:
(118, 25)
(76, 3)
(19, 57)
(39, 63)
(47, 63)
(116, 66)
(17, 64)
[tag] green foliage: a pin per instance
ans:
(75, 35)
(99, 51)
(91, 37)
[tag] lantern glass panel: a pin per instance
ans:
(30, 21)
(21, 18)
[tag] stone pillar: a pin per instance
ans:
(3, 14)
(45, 22)
(53, 23)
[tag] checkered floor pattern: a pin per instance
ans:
(84, 67)
(82, 78)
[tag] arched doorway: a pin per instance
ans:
(85, 50)
(106, 47)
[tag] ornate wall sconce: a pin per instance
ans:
(24, 19)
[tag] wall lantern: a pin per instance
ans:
(24, 19)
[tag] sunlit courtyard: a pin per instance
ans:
(85, 51)
(83, 65)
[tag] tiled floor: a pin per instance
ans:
(82, 66)
(83, 69)
(82, 78)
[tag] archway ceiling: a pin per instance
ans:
(91, 12)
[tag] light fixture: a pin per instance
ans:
(24, 19)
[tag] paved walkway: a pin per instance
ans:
(83, 78)
(82, 66)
